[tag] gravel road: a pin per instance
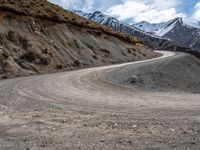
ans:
(87, 109)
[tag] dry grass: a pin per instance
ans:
(46, 10)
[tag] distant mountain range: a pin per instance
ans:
(172, 35)
(175, 30)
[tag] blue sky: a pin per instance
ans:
(131, 11)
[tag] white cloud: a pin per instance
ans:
(87, 5)
(129, 9)
(153, 11)
(197, 12)
(84, 5)
(164, 4)
(65, 3)
(157, 16)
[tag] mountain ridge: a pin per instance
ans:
(167, 42)
(156, 28)
(175, 29)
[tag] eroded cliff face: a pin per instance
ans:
(31, 46)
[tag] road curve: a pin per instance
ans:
(89, 87)
(89, 109)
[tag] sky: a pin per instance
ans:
(133, 11)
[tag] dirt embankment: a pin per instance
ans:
(180, 72)
(31, 46)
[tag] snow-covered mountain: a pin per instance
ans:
(159, 29)
(171, 35)
(148, 27)
(175, 29)
(98, 17)
(107, 20)
(112, 22)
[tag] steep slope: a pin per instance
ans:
(149, 39)
(159, 29)
(176, 30)
(148, 27)
(39, 37)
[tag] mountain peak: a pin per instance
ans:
(179, 19)
(144, 22)
(97, 12)
(97, 16)
(159, 29)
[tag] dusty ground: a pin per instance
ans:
(85, 109)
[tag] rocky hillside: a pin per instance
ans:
(39, 37)
(147, 35)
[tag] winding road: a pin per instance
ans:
(89, 87)
(90, 95)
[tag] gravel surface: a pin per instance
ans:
(95, 109)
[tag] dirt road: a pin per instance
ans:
(90, 109)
